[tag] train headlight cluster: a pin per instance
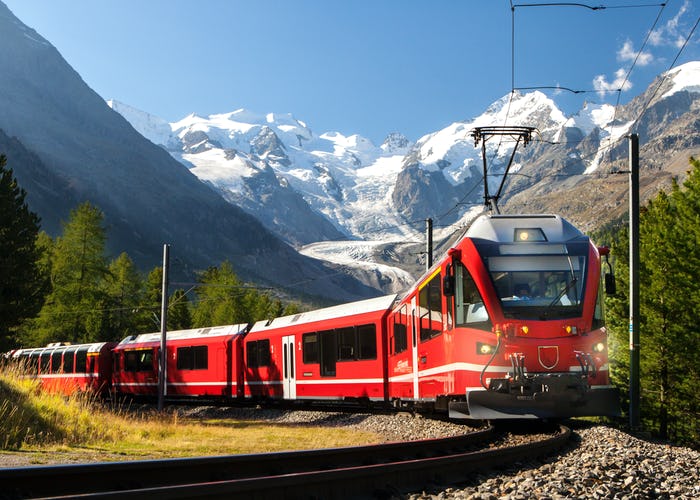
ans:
(599, 347)
(482, 348)
(571, 330)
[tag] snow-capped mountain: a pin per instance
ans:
(315, 189)
(305, 187)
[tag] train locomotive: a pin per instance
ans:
(507, 324)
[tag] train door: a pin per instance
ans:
(402, 354)
(288, 368)
(414, 347)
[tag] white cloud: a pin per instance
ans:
(627, 53)
(670, 33)
(602, 85)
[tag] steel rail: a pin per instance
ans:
(76, 479)
(367, 481)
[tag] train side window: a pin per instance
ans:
(146, 361)
(130, 361)
(258, 353)
(34, 361)
(138, 361)
(469, 306)
(346, 343)
(328, 352)
(69, 360)
(367, 340)
(56, 358)
(309, 343)
(45, 361)
(251, 353)
(193, 358)
(400, 331)
(430, 303)
(599, 311)
(81, 360)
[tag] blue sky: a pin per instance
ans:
(365, 66)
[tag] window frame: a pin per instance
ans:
(192, 357)
(431, 313)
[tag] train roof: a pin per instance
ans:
(505, 228)
(353, 308)
(209, 332)
(93, 347)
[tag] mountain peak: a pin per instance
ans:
(395, 143)
(684, 77)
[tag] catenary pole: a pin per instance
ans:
(634, 415)
(428, 243)
(162, 358)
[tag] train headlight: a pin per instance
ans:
(571, 330)
(525, 329)
(529, 235)
(482, 348)
(599, 347)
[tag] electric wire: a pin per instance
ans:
(629, 72)
(591, 7)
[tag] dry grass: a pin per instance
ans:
(31, 420)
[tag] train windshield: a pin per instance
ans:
(539, 286)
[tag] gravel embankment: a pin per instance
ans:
(601, 463)
(393, 427)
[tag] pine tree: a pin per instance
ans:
(219, 298)
(669, 293)
(179, 314)
(125, 293)
(223, 299)
(73, 310)
(21, 285)
(685, 252)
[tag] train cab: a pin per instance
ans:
(336, 353)
(508, 325)
(200, 362)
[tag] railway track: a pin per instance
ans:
(363, 471)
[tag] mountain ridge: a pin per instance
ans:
(385, 193)
(91, 153)
(424, 179)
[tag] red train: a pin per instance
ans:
(508, 324)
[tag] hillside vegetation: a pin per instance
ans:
(32, 420)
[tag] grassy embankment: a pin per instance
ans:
(33, 421)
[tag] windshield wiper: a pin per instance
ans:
(561, 294)
(564, 291)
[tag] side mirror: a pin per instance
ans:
(609, 277)
(610, 286)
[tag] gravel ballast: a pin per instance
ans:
(601, 462)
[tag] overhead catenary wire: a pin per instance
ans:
(608, 147)
(632, 66)
(591, 7)
(568, 4)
